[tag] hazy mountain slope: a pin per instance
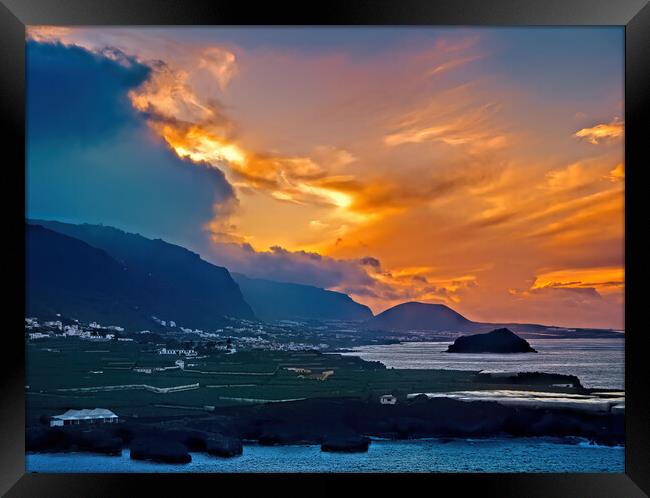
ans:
(278, 300)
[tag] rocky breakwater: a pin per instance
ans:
(323, 421)
(159, 450)
(154, 442)
(224, 446)
(345, 443)
(56, 439)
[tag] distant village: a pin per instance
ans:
(240, 334)
(92, 331)
(248, 335)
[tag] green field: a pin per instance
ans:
(58, 368)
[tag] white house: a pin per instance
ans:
(387, 399)
(37, 335)
(85, 416)
(179, 352)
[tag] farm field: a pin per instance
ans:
(73, 373)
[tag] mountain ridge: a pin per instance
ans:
(415, 316)
(167, 264)
(274, 300)
(173, 282)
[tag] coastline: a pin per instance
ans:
(346, 423)
(439, 405)
(598, 363)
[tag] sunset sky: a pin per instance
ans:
(481, 168)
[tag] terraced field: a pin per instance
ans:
(73, 373)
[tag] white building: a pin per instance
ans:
(85, 416)
(387, 399)
(178, 352)
(38, 335)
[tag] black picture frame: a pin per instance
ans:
(633, 14)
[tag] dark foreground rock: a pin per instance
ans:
(333, 423)
(351, 443)
(157, 450)
(98, 441)
(46, 439)
(49, 439)
(274, 436)
(497, 341)
(193, 440)
(315, 421)
(224, 446)
(530, 379)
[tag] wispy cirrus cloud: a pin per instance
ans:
(454, 118)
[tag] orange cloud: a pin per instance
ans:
(453, 119)
(47, 34)
(199, 130)
(618, 173)
(604, 279)
(576, 175)
(602, 132)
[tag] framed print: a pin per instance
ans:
(381, 242)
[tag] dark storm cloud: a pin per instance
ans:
(92, 158)
(77, 95)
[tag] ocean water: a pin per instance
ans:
(598, 363)
(430, 455)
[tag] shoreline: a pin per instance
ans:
(248, 443)
(421, 455)
(339, 425)
(554, 356)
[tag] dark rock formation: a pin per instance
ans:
(97, 441)
(159, 450)
(345, 443)
(316, 420)
(278, 436)
(336, 424)
(497, 341)
(56, 439)
(224, 446)
(530, 379)
(193, 440)
(46, 439)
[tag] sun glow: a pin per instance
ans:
(461, 187)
